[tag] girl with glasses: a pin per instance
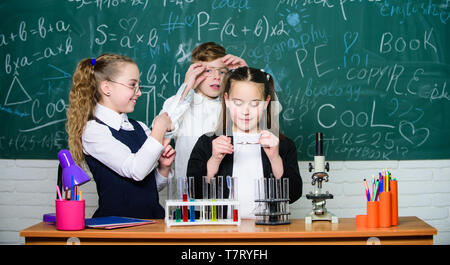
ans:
(129, 163)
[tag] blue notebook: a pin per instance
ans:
(111, 222)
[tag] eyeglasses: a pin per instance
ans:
(136, 88)
(210, 71)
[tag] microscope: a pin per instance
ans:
(319, 212)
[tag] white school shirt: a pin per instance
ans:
(247, 167)
(192, 117)
(98, 142)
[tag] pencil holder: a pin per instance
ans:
(69, 214)
(394, 202)
(361, 221)
(385, 209)
(373, 214)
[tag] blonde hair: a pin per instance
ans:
(207, 52)
(84, 96)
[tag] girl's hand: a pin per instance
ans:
(220, 147)
(161, 124)
(233, 62)
(193, 78)
(270, 144)
(167, 157)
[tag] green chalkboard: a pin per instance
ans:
(373, 76)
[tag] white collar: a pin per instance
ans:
(246, 137)
(112, 118)
(199, 98)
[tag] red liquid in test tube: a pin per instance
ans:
(185, 209)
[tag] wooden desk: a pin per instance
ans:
(411, 230)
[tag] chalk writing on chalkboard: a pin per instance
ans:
(371, 75)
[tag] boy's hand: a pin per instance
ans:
(233, 62)
(193, 78)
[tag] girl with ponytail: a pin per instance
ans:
(129, 162)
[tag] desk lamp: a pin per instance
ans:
(69, 170)
(72, 175)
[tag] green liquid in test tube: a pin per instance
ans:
(178, 214)
(212, 183)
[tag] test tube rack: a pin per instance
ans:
(272, 201)
(205, 206)
(213, 208)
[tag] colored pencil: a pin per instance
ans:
(375, 192)
(59, 193)
(367, 190)
(72, 196)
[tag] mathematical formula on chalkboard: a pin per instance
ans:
(372, 75)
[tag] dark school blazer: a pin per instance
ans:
(202, 151)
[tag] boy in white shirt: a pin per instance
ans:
(196, 107)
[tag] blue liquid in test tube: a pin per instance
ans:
(191, 198)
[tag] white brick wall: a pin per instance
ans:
(27, 191)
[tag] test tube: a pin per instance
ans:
(191, 198)
(230, 186)
(266, 193)
(179, 183)
(219, 196)
(205, 187)
(178, 196)
(169, 188)
(205, 195)
(272, 203)
(286, 196)
(271, 188)
(185, 190)
(285, 188)
(178, 214)
(257, 189)
(278, 195)
(191, 187)
(266, 198)
(258, 194)
(278, 191)
(212, 182)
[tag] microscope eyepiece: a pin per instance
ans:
(319, 144)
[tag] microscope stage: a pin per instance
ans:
(311, 196)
